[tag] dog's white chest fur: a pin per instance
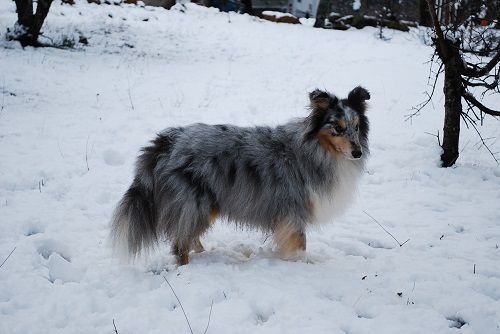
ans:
(327, 206)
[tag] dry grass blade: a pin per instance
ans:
(12, 251)
(182, 307)
(376, 221)
(116, 331)
(209, 316)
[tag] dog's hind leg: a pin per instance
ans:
(181, 253)
(196, 245)
(290, 240)
(191, 241)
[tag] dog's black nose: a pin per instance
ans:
(356, 154)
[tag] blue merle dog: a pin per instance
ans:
(279, 180)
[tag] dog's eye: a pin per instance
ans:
(339, 129)
(356, 127)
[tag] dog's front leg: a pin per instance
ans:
(197, 246)
(291, 241)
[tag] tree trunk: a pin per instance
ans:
(322, 13)
(29, 24)
(425, 17)
(452, 109)
(248, 7)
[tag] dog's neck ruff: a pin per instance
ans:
(331, 202)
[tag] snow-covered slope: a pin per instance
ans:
(71, 124)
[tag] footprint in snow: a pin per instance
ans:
(33, 230)
(456, 321)
(113, 158)
(46, 247)
(62, 269)
(262, 312)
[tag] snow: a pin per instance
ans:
(278, 15)
(71, 124)
(356, 4)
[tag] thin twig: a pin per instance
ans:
(437, 136)
(86, 153)
(484, 143)
(400, 244)
(3, 96)
(7, 257)
(423, 104)
(116, 331)
(130, 99)
(182, 307)
(209, 316)
(60, 150)
(129, 95)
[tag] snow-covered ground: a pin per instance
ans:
(71, 124)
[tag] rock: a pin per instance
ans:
(360, 21)
(279, 17)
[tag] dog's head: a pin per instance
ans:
(340, 125)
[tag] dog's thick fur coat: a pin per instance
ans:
(277, 180)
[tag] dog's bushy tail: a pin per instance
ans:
(134, 224)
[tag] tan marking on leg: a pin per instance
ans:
(198, 246)
(310, 208)
(181, 254)
(183, 259)
(289, 240)
(213, 215)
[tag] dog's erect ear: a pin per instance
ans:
(358, 94)
(321, 99)
(357, 98)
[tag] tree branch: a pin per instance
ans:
(483, 140)
(470, 98)
(437, 29)
(422, 105)
(481, 71)
(481, 83)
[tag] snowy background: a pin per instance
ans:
(72, 122)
